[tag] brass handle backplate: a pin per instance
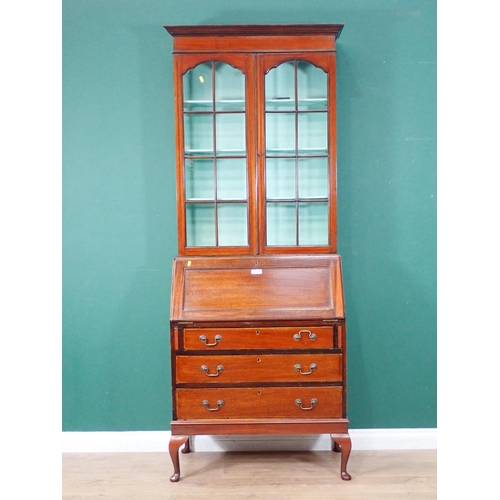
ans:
(219, 369)
(313, 403)
(312, 367)
(298, 335)
(217, 338)
(206, 404)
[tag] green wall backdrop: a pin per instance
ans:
(119, 221)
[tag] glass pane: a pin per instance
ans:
(229, 88)
(231, 134)
(198, 134)
(280, 133)
(313, 133)
(312, 86)
(313, 177)
(233, 223)
(280, 87)
(232, 179)
(281, 224)
(200, 225)
(197, 85)
(280, 178)
(199, 179)
(313, 223)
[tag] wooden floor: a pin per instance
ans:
(381, 475)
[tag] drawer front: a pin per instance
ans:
(219, 369)
(318, 337)
(259, 402)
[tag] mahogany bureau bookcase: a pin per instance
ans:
(257, 322)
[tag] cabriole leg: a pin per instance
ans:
(173, 447)
(187, 447)
(335, 446)
(344, 442)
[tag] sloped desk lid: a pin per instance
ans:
(257, 288)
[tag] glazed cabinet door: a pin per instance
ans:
(296, 153)
(215, 154)
(256, 154)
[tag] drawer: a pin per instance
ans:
(317, 337)
(214, 369)
(259, 402)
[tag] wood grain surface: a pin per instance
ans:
(220, 369)
(377, 475)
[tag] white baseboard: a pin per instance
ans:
(134, 441)
(149, 441)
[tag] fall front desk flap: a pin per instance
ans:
(257, 288)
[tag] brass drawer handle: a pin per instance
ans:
(206, 404)
(298, 335)
(204, 339)
(219, 369)
(313, 403)
(312, 367)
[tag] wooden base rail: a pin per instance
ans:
(183, 430)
